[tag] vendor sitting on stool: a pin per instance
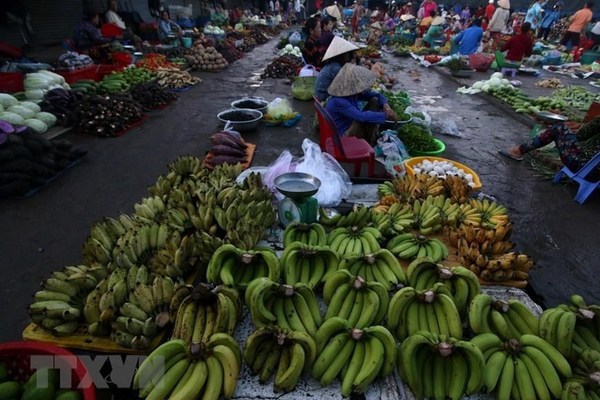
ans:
(167, 27)
(435, 33)
(351, 85)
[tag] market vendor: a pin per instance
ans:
(112, 17)
(499, 22)
(426, 23)
(351, 85)
(435, 33)
(468, 40)
(219, 17)
(576, 144)
(408, 22)
(313, 50)
(87, 33)
(520, 45)
(327, 25)
(339, 53)
(375, 33)
(167, 27)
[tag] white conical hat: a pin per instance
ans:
(351, 80)
(504, 4)
(407, 17)
(338, 46)
(437, 21)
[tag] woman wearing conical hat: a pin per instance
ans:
(339, 52)
(351, 85)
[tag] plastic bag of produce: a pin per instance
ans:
(279, 108)
(419, 116)
(446, 127)
(303, 87)
(295, 38)
(391, 152)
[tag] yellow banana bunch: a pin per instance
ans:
(407, 246)
(291, 307)
(508, 319)
(359, 217)
(386, 189)
(432, 310)
(354, 239)
(523, 368)
(357, 356)
(490, 212)
(283, 353)
(411, 187)
(350, 297)
(438, 366)
(310, 234)
(380, 266)
(235, 267)
(463, 284)
(308, 264)
(457, 189)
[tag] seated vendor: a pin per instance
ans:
(87, 33)
(167, 27)
(313, 50)
(339, 52)
(520, 45)
(375, 33)
(351, 85)
(435, 33)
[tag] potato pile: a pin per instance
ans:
(205, 59)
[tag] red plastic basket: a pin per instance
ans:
(11, 82)
(88, 72)
(16, 356)
(122, 58)
(111, 30)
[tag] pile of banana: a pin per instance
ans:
(511, 266)
(169, 372)
(310, 234)
(307, 264)
(423, 274)
(354, 239)
(523, 368)
(408, 188)
(359, 216)
(482, 213)
(438, 366)
(393, 220)
(508, 319)
(381, 266)
(428, 215)
(237, 267)
(585, 383)
(432, 310)
(356, 356)
(205, 311)
(357, 301)
(572, 328)
(285, 354)
(409, 246)
(293, 308)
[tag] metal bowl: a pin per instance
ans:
(395, 124)
(261, 104)
(547, 116)
(241, 126)
(297, 185)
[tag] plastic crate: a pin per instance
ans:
(16, 356)
(11, 82)
(88, 72)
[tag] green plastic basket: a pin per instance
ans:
(440, 150)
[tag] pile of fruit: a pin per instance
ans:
(154, 61)
(282, 67)
(205, 59)
(175, 79)
(106, 116)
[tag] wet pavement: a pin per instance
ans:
(45, 232)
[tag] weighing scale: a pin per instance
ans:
(298, 205)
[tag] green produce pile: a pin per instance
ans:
(416, 138)
(398, 101)
(134, 75)
(576, 96)
(45, 383)
(522, 103)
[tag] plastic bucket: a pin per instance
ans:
(187, 42)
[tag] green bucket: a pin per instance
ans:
(590, 56)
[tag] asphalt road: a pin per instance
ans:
(45, 232)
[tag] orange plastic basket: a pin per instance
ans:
(17, 355)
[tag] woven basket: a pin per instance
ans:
(303, 87)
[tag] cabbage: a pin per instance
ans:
(478, 85)
(1, 108)
(6, 100)
(485, 87)
(56, 79)
(47, 118)
(37, 125)
(495, 81)
(34, 94)
(12, 118)
(497, 75)
(31, 105)
(289, 47)
(37, 81)
(22, 111)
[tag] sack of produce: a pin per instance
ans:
(481, 61)
(303, 87)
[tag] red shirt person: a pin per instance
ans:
(489, 10)
(520, 45)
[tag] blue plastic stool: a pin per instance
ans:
(585, 187)
(509, 72)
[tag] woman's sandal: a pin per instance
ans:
(509, 155)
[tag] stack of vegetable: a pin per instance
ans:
(206, 59)
(576, 97)
(134, 76)
(229, 51)
(151, 95)
(154, 61)
(27, 160)
(38, 83)
(282, 67)
(61, 103)
(398, 101)
(106, 116)
(228, 147)
(417, 138)
(25, 113)
(175, 79)
(291, 50)
(213, 30)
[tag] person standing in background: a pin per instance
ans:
(429, 6)
(549, 19)
(534, 14)
(358, 13)
(465, 14)
(579, 23)
(489, 10)
(327, 25)
(112, 17)
(499, 21)
(468, 40)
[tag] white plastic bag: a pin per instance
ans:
(279, 108)
(446, 127)
(421, 117)
(308, 70)
(335, 182)
(295, 38)
(284, 163)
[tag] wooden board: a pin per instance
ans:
(250, 150)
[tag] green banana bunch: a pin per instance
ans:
(508, 319)
(359, 217)
(432, 310)
(386, 189)
(350, 297)
(307, 264)
(428, 219)
(311, 234)
(289, 307)
(380, 266)
(580, 387)
(423, 273)
(382, 221)
(286, 354)
(354, 240)
(440, 367)
(527, 367)
(237, 268)
(150, 209)
(407, 246)
(98, 247)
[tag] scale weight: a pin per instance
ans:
(299, 205)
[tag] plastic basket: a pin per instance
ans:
(17, 355)
(88, 72)
(411, 162)
(441, 147)
(11, 82)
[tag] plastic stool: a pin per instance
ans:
(509, 71)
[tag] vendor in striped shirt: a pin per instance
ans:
(351, 86)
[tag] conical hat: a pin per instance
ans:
(437, 21)
(333, 11)
(504, 4)
(351, 80)
(407, 17)
(338, 46)
(376, 25)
